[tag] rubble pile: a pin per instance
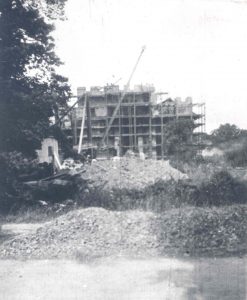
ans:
(86, 233)
(130, 173)
(195, 231)
(96, 232)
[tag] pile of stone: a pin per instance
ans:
(86, 233)
(96, 232)
(210, 231)
(130, 173)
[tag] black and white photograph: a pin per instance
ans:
(123, 149)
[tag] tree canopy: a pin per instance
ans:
(31, 91)
(177, 135)
(225, 133)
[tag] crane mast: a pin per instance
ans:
(122, 97)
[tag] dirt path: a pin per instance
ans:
(122, 279)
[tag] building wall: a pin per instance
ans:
(48, 146)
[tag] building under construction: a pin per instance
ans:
(117, 121)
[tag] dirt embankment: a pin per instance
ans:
(95, 232)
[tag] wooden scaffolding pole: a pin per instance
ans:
(162, 131)
(82, 125)
(150, 130)
(135, 138)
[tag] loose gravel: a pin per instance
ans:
(96, 232)
(130, 173)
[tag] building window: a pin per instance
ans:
(93, 112)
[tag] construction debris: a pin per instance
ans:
(71, 164)
(95, 232)
(86, 233)
(60, 186)
(127, 172)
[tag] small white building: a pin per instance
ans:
(49, 150)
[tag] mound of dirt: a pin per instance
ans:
(95, 232)
(131, 172)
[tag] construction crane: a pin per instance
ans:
(121, 99)
(114, 113)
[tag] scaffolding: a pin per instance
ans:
(132, 120)
(200, 124)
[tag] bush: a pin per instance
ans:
(225, 133)
(222, 189)
(200, 173)
(237, 157)
(158, 196)
(14, 169)
(213, 231)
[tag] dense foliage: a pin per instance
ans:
(237, 157)
(221, 189)
(14, 169)
(225, 133)
(178, 138)
(30, 89)
(231, 141)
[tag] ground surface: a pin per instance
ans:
(122, 279)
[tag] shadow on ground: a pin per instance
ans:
(123, 278)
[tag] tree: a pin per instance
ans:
(177, 136)
(30, 90)
(224, 133)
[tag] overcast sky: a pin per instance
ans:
(195, 48)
